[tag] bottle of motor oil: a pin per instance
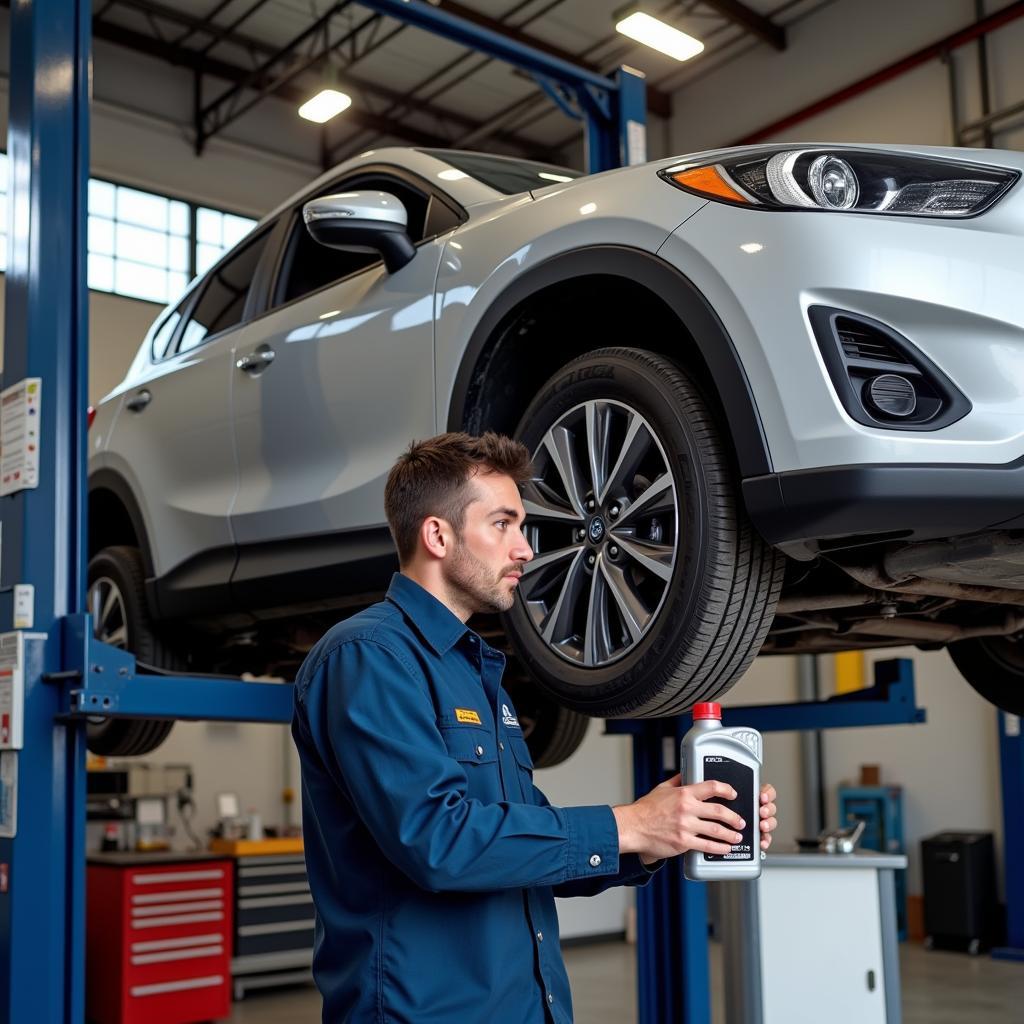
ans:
(732, 756)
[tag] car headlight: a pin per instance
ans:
(854, 180)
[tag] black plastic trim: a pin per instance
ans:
(954, 403)
(815, 505)
(305, 571)
(676, 291)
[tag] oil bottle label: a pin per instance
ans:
(741, 778)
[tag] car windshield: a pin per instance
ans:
(502, 173)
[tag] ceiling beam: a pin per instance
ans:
(757, 24)
(658, 102)
(196, 61)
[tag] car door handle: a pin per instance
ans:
(257, 361)
(139, 400)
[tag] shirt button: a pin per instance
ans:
(551, 998)
(540, 936)
(479, 751)
(595, 861)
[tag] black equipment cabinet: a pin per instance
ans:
(961, 910)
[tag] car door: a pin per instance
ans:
(339, 379)
(173, 437)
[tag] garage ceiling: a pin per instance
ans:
(410, 86)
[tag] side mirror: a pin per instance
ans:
(362, 222)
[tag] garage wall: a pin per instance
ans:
(826, 52)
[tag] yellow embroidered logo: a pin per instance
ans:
(463, 715)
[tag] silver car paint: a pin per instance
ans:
(350, 386)
(346, 400)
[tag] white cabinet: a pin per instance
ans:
(814, 939)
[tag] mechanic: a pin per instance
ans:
(433, 859)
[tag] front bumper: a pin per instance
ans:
(808, 511)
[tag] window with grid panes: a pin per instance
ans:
(138, 242)
(216, 232)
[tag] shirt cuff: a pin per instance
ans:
(593, 842)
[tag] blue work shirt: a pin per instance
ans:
(433, 859)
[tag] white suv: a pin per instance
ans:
(775, 396)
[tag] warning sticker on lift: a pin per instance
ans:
(20, 412)
(8, 794)
(12, 690)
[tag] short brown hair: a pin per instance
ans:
(432, 477)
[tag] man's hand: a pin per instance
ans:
(674, 818)
(767, 811)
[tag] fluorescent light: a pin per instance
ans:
(324, 105)
(452, 175)
(588, 208)
(659, 36)
(751, 247)
(548, 176)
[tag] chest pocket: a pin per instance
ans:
(476, 750)
(521, 753)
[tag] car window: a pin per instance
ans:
(222, 301)
(164, 334)
(309, 266)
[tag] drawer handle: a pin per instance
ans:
(177, 908)
(176, 954)
(189, 940)
(176, 876)
(175, 897)
(159, 922)
(177, 986)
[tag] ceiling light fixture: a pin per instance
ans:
(327, 103)
(658, 35)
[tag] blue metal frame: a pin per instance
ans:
(608, 105)
(673, 980)
(68, 674)
(42, 913)
(1011, 763)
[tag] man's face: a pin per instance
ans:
(488, 557)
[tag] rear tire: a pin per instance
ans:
(994, 666)
(650, 589)
(117, 602)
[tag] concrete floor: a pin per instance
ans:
(938, 988)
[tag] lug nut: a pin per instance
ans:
(614, 511)
(581, 534)
(613, 551)
(591, 505)
(591, 559)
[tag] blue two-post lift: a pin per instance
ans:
(66, 675)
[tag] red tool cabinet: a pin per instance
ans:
(158, 938)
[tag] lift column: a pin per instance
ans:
(42, 864)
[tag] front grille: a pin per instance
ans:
(857, 345)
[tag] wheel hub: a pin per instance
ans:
(596, 529)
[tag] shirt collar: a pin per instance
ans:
(436, 623)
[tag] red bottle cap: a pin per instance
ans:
(709, 710)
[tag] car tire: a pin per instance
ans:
(117, 602)
(994, 666)
(634, 488)
(552, 732)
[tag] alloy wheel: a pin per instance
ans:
(602, 516)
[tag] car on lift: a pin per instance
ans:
(774, 395)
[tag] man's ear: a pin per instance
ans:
(436, 536)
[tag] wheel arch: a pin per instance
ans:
(495, 382)
(115, 516)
